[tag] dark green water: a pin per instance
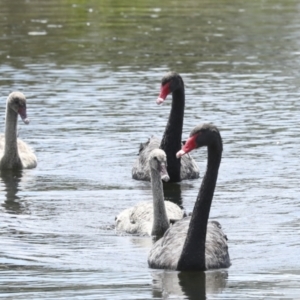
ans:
(91, 72)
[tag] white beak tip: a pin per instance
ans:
(26, 121)
(159, 101)
(165, 178)
(180, 153)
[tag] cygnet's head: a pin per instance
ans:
(158, 162)
(17, 102)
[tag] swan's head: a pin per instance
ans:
(170, 83)
(17, 102)
(202, 135)
(158, 162)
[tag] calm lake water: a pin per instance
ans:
(91, 72)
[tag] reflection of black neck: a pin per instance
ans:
(193, 253)
(193, 285)
(172, 193)
(171, 141)
(11, 179)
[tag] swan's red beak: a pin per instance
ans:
(23, 114)
(189, 145)
(164, 92)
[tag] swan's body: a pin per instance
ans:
(14, 153)
(184, 168)
(166, 251)
(139, 218)
(151, 218)
(193, 243)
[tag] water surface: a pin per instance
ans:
(91, 72)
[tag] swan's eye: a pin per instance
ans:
(19, 103)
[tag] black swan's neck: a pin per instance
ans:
(160, 219)
(171, 141)
(193, 253)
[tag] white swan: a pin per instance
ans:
(14, 153)
(151, 218)
(178, 169)
(192, 243)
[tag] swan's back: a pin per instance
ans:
(189, 168)
(166, 252)
(27, 155)
(141, 170)
(139, 218)
(25, 152)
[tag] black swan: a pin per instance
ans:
(14, 153)
(151, 218)
(193, 243)
(178, 169)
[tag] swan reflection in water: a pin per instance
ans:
(10, 179)
(188, 285)
(172, 193)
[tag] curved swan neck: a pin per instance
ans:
(160, 219)
(171, 141)
(193, 253)
(11, 122)
(11, 157)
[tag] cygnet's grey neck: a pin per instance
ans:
(160, 219)
(11, 131)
